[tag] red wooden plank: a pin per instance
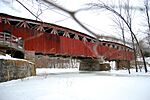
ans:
(53, 44)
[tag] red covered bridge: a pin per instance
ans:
(46, 38)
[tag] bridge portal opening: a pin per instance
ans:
(15, 54)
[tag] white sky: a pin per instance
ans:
(99, 22)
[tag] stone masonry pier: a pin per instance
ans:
(15, 69)
(93, 65)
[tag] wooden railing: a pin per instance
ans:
(8, 40)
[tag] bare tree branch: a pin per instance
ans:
(72, 14)
(127, 22)
(146, 2)
(28, 10)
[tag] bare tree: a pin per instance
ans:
(146, 4)
(101, 5)
(124, 8)
(73, 16)
(42, 7)
(127, 20)
(120, 24)
(128, 13)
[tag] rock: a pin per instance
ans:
(93, 65)
(15, 69)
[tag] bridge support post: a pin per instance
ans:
(122, 64)
(92, 65)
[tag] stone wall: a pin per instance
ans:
(15, 69)
(93, 65)
(123, 64)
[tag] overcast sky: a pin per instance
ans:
(98, 21)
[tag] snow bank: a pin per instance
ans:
(7, 57)
(133, 72)
(147, 59)
(76, 86)
(45, 71)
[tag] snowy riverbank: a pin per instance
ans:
(70, 84)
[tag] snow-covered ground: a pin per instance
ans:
(8, 57)
(71, 84)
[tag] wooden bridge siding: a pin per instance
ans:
(53, 44)
(45, 43)
(89, 49)
(65, 43)
(1, 29)
(73, 47)
(103, 50)
(113, 53)
(29, 43)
